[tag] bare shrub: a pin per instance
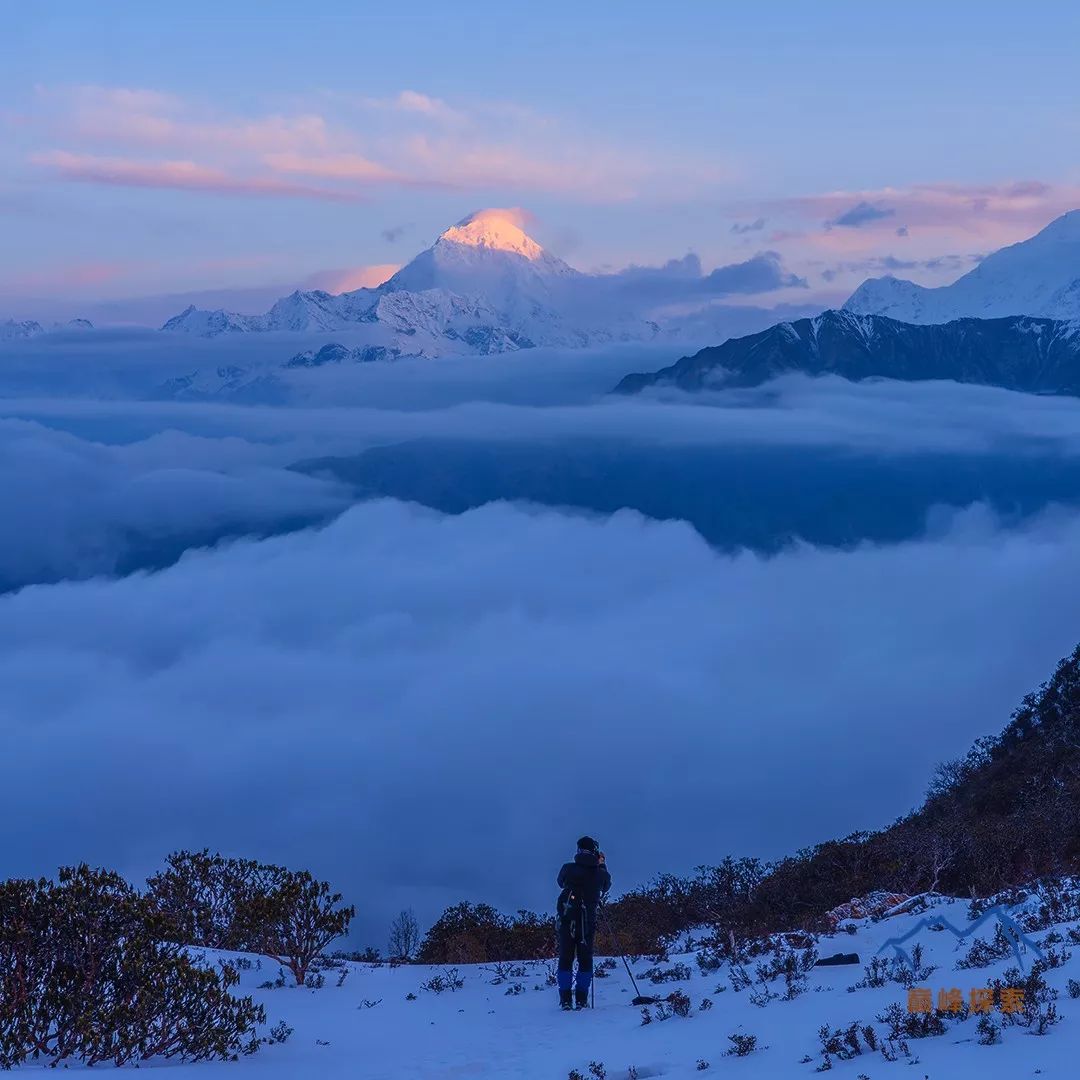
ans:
(449, 979)
(404, 936)
(741, 1045)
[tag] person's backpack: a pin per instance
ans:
(573, 915)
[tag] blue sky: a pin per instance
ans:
(153, 150)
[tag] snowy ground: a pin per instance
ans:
(482, 1031)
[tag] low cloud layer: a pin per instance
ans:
(398, 699)
(427, 708)
(74, 508)
(99, 487)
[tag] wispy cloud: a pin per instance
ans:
(981, 209)
(334, 167)
(756, 225)
(415, 102)
(178, 175)
(890, 264)
(66, 276)
(116, 135)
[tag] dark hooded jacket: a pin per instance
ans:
(586, 879)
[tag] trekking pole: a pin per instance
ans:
(596, 930)
(592, 985)
(639, 998)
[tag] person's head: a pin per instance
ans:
(588, 845)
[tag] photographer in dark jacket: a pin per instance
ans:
(583, 882)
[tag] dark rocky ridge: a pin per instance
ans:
(1016, 353)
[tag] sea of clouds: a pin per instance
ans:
(203, 646)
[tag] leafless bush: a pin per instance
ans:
(449, 979)
(404, 936)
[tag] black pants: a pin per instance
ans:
(571, 950)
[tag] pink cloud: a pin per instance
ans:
(983, 210)
(411, 101)
(357, 277)
(488, 145)
(69, 276)
(178, 175)
(483, 164)
(123, 115)
(333, 167)
(930, 232)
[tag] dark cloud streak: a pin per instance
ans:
(862, 213)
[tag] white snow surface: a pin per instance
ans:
(1038, 276)
(482, 1031)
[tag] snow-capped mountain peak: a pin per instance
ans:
(1038, 276)
(488, 254)
(497, 230)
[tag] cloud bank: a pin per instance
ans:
(74, 508)
(396, 699)
(428, 708)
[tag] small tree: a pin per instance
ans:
(240, 904)
(291, 919)
(199, 895)
(404, 936)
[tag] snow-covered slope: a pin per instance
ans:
(489, 254)
(193, 320)
(502, 1021)
(1039, 276)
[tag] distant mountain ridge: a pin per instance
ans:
(1016, 353)
(1038, 276)
(25, 329)
(484, 280)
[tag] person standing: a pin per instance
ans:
(583, 882)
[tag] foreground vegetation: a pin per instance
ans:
(92, 970)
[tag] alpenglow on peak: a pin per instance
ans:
(497, 229)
